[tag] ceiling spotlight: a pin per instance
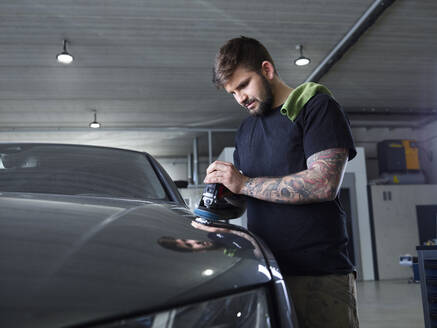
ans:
(65, 57)
(94, 124)
(302, 60)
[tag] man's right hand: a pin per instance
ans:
(226, 174)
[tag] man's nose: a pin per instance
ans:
(241, 98)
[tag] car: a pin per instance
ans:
(101, 237)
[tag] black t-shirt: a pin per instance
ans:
(306, 239)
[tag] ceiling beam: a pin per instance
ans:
(361, 26)
(356, 123)
(105, 129)
(388, 112)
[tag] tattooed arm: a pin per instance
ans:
(320, 182)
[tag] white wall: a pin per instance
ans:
(428, 152)
(395, 224)
(177, 168)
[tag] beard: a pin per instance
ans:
(265, 100)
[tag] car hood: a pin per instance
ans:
(74, 260)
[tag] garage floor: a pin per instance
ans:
(390, 303)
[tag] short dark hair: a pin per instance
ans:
(242, 51)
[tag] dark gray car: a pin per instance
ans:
(100, 237)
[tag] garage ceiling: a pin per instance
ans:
(145, 66)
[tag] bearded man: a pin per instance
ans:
(289, 160)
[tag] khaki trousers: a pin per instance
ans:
(328, 301)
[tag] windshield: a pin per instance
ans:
(78, 170)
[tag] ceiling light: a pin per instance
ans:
(94, 124)
(302, 60)
(65, 57)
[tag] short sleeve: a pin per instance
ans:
(325, 126)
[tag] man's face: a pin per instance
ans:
(251, 90)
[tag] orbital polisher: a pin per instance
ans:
(219, 203)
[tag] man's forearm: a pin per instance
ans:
(300, 188)
(317, 184)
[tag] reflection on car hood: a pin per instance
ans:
(71, 260)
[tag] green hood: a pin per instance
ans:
(300, 96)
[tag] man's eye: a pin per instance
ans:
(244, 84)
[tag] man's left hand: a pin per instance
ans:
(226, 174)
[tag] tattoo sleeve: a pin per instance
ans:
(320, 182)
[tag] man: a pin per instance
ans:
(290, 158)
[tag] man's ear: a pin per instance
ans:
(267, 70)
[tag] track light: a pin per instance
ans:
(65, 57)
(94, 124)
(302, 60)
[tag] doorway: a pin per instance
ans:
(348, 199)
